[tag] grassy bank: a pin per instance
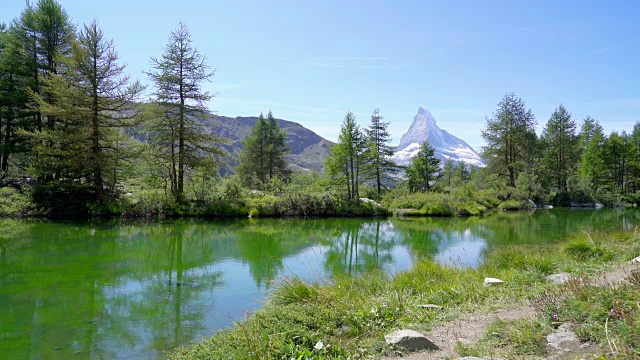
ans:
(348, 317)
(462, 201)
(74, 201)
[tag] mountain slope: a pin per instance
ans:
(447, 146)
(308, 149)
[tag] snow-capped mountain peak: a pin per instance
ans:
(447, 146)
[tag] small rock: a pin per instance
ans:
(562, 339)
(548, 207)
(410, 340)
(430, 306)
(492, 281)
(477, 358)
(635, 260)
(560, 278)
(598, 205)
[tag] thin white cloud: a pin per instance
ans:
(604, 49)
(349, 58)
(275, 105)
(349, 66)
(545, 33)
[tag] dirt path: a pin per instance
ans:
(470, 329)
(466, 330)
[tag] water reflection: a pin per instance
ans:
(132, 290)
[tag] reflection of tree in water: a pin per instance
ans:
(358, 246)
(168, 307)
(105, 290)
(91, 292)
(430, 236)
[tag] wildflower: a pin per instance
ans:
(555, 316)
(613, 312)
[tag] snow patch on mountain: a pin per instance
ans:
(446, 146)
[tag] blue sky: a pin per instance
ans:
(311, 61)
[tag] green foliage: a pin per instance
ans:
(585, 249)
(424, 169)
(511, 138)
(346, 160)
(262, 159)
(381, 168)
(180, 140)
(524, 337)
(561, 144)
(15, 203)
(63, 199)
(513, 205)
(83, 143)
(294, 290)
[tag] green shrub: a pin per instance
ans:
(13, 203)
(584, 249)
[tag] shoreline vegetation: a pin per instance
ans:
(347, 317)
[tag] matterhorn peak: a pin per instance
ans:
(447, 146)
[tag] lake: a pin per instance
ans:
(135, 290)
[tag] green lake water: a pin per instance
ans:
(135, 290)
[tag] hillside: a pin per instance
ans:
(308, 149)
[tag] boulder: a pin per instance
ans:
(369, 201)
(560, 278)
(492, 281)
(409, 340)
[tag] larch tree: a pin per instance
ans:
(345, 160)
(33, 42)
(511, 138)
(381, 167)
(277, 148)
(561, 147)
(592, 161)
(252, 168)
(424, 169)
(181, 139)
(263, 153)
(93, 100)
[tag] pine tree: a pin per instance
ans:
(263, 152)
(32, 43)
(561, 147)
(511, 138)
(424, 169)
(345, 160)
(182, 142)
(381, 166)
(634, 160)
(252, 167)
(592, 164)
(448, 172)
(93, 100)
(277, 148)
